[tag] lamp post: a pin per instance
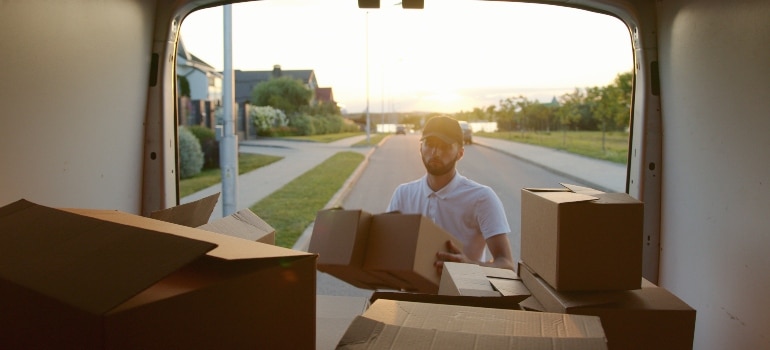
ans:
(368, 119)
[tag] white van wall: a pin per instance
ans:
(74, 94)
(715, 235)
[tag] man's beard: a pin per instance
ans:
(438, 169)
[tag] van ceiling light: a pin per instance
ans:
(368, 4)
(412, 4)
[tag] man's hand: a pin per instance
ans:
(452, 254)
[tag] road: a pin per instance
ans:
(397, 160)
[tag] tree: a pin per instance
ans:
(569, 110)
(624, 82)
(284, 93)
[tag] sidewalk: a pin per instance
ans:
(298, 158)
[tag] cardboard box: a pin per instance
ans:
(390, 324)
(243, 224)
(646, 318)
(340, 239)
(383, 251)
(402, 251)
(580, 239)
(94, 279)
(476, 280)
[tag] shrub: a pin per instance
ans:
(266, 118)
(209, 145)
(190, 154)
(303, 124)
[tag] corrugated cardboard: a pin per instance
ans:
(340, 239)
(191, 214)
(580, 239)
(243, 224)
(506, 302)
(93, 279)
(389, 324)
(383, 251)
(645, 318)
(402, 251)
(472, 280)
(334, 315)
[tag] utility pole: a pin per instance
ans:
(228, 155)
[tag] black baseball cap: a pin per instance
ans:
(445, 128)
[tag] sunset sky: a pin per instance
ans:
(453, 55)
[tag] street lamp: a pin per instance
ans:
(368, 121)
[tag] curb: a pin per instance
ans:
(303, 242)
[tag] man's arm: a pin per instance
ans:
(498, 245)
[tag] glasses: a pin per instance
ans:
(438, 145)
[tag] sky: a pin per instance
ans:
(452, 56)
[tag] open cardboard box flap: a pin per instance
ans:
(191, 214)
(97, 259)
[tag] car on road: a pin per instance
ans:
(467, 132)
(400, 130)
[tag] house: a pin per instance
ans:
(200, 79)
(199, 87)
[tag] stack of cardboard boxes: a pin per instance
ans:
(415, 307)
(581, 252)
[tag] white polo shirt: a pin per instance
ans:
(470, 211)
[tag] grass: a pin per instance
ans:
(209, 177)
(586, 143)
(326, 138)
(373, 140)
(291, 209)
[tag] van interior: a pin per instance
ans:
(89, 120)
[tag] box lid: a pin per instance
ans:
(581, 189)
(560, 195)
(244, 224)
(90, 263)
(191, 214)
(227, 247)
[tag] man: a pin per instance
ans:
(469, 211)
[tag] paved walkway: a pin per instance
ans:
(299, 157)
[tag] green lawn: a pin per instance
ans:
(209, 177)
(587, 143)
(293, 207)
(326, 138)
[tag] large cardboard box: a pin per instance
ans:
(101, 279)
(646, 318)
(382, 251)
(391, 324)
(580, 239)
